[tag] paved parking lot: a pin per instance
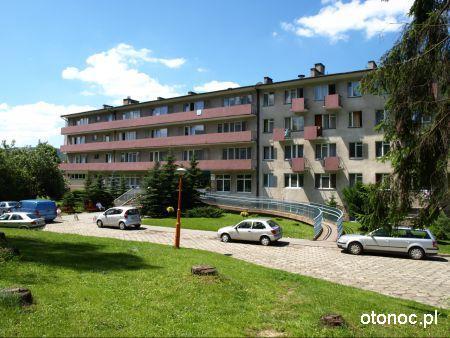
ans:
(426, 281)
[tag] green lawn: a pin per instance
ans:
(293, 229)
(85, 286)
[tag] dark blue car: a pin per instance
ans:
(42, 208)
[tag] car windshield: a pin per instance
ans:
(133, 212)
(32, 216)
(4, 217)
(273, 224)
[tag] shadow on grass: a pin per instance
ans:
(76, 256)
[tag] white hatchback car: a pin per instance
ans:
(122, 217)
(263, 230)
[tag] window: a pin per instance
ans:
(258, 226)
(326, 121)
(355, 149)
(380, 116)
(194, 106)
(268, 99)
(325, 181)
(269, 153)
(77, 176)
(353, 89)
(270, 180)
(129, 157)
(194, 130)
(132, 182)
(245, 225)
(320, 92)
(223, 182)
(354, 178)
(163, 110)
(236, 100)
(244, 183)
(134, 114)
(355, 119)
(268, 125)
(324, 150)
(96, 156)
(128, 135)
(295, 123)
(108, 158)
(381, 148)
(78, 139)
(106, 138)
(292, 94)
(80, 159)
(157, 133)
(293, 151)
(381, 178)
(189, 155)
(82, 121)
(158, 156)
(230, 127)
(237, 153)
(16, 217)
(293, 180)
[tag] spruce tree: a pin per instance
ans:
(152, 186)
(169, 179)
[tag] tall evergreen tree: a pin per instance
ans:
(191, 184)
(169, 178)
(153, 187)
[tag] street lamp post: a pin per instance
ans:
(180, 172)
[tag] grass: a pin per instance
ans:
(85, 286)
(293, 229)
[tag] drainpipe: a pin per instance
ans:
(258, 130)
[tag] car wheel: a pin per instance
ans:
(355, 248)
(265, 240)
(416, 253)
(225, 238)
(122, 226)
(24, 227)
(137, 226)
(100, 224)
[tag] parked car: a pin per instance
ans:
(21, 220)
(417, 243)
(41, 208)
(8, 206)
(122, 217)
(263, 230)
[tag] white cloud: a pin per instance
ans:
(28, 123)
(115, 74)
(202, 70)
(338, 18)
(215, 85)
(274, 34)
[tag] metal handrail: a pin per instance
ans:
(127, 196)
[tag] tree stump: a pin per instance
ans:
(23, 295)
(204, 270)
(332, 320)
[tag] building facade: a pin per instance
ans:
(303, 140)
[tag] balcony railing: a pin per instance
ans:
(191, 116)
(213, 165)
(312, 133)
(332, 163)
(298, 164)
(162, 142)
(333, 102)
(281, 134)
(299, 105)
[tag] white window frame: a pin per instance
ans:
(321, 180)
(268, 99)
(295, 150)
(299, 178)
(356, 145)
(245, 178)
(358, 177)
(223, 178)
(270, 180)
(325, 148)
(294, 123)
(268, 125)
(271, 153)
(131, 115)
(352, 89)
(384, 152)
(351, 119)
(320, 92)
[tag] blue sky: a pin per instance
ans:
(65, 56)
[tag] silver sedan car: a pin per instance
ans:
(122, 217)
(417, 243)
(263, 230)
(21, 220)
(8, 206)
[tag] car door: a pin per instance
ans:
(116, 216)
(2, 207)
(258, 229)
(109, 216)
(16, 220)
(4, 220)
(400, 240)
(377, 240)
(243, 231)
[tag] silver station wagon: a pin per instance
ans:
(417, 243)
(263, 230)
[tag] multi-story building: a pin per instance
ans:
(303, 139)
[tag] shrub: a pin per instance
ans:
(244, 214)
(441, 227)
(207, 212)
(170, 210)
(69, 201)
(331, 202)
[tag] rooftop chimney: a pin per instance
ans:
(320, 68)
(160, 98)
(267, 80)
(301, 76)
(314, 72)
(192, 93)
(129, 100)
(371, 65)
(107, 106)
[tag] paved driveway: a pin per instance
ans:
(426, 281)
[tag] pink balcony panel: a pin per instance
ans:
(203, 139)
(312, 132)
(333, 102)
(298, 164)
(299, 105)
(332, 163)
(278, 134)
(213, 165)
(191, 116)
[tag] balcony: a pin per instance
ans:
(281, 134)
(298, 164)
(331, 163)
(163, 142)
(213, 165)
(333, 102)
(299, 105)
(191, 116)
(312, 133)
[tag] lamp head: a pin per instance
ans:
(181, 171)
